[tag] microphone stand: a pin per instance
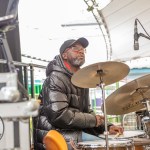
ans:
(145, 36)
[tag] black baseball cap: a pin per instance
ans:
(83, 41)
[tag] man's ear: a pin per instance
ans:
(64, 55)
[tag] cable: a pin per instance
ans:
(142, 27)
(1, 135)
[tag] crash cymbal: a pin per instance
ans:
(129, 97)
(110, 72)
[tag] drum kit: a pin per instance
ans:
(131, 97)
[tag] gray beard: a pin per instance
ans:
(77, 62)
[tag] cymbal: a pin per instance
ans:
(129, 97)
(110, 72)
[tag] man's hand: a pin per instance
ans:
(116, 129)
(99, 120)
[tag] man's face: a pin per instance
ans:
(76, 55)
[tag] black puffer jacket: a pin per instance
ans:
(66, 107)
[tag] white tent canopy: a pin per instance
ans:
(120, 16)
(44, 25)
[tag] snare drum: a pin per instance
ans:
(123, 144)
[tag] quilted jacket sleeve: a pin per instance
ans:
(62, 106)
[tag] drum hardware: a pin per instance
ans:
(146, 125)
(139, 124)
(148, 105)
(140, 114)
(100, 74)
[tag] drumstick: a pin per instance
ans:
(117, 135)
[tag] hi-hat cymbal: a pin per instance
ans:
(110, 72)
(129, 97)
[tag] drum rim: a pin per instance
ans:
(138, 134)
(125, 143)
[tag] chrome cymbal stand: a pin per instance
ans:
(146, 119)
(148, 106)
(146, 101)
(102, 86)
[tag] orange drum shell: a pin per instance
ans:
(140, 143)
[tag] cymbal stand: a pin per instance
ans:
(146, 120)
(146, 102)
(102, 86)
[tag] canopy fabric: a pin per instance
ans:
(42, 32)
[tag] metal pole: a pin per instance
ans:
(32, 81)
(105, 115)
(25, 77)
(102, 86)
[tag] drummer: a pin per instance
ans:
(65, 107)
